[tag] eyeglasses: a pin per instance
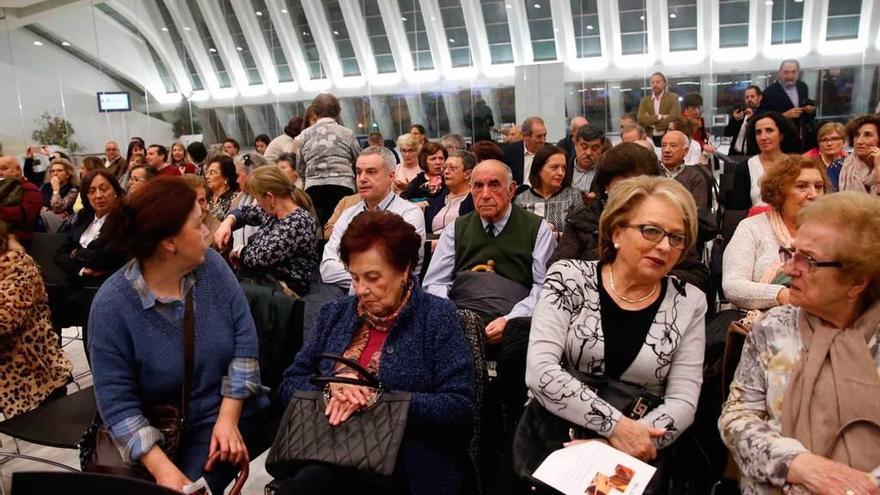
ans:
(805, 262)
(654, 233)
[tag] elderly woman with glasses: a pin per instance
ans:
(832, 138)
(753, 278)
(624, 319)
(803, 415)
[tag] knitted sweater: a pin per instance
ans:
(751, 251)
(327, 155)
(137, 354)
(425, 353)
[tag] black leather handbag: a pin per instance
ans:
(540, 432)
(369, 440)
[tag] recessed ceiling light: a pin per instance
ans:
(589, 27)
(283, 11)
(239, 48)
(433, 18)
(187, 28)
(641, 18)
(508, 6)
(336, 33)
(452, 40)
(64, 43)
(259, 13)
(403, 19)
(768, 3)
(38, 43)
(165, 29)
(212, 50)
(537, 5)
(672, 15)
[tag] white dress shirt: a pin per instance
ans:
(333, 271)
(92, 231)
(528, 158)
(440, 275)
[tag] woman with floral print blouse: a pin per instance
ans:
(285, 247)
(803, 415)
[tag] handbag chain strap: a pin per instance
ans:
(188, 352)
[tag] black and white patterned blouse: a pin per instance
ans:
(285, 248)
(567, 327)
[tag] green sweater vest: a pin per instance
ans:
(511, 249)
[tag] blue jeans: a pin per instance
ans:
(196, 442)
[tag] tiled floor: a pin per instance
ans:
(74, 350)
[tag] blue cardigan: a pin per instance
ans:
(137, 354)
(426, 354)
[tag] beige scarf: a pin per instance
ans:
(833, 395)
(783, 237)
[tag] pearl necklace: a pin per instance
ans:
(621, 296)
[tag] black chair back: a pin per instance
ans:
(39, 483)
(43, 250)
(60, 423)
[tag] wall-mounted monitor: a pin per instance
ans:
(114, 101)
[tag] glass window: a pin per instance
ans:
(378, 37)
(273, 42)
(633, 27)
(682, 25)
(835, 91)
(592, 103)
(436, 120)
(787, 22)
(340, 36)
(733, 23)
(399, 111)
(729, 92)
(497, 31)
(161, 68)
(182, 52)
(541, 29)
(414, 25)
(306, 40)
(456, 33)
(843, 19)
(205, 33)
(240, 43)
(585, 17)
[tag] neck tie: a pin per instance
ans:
(490, 229)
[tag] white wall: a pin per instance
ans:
(37, 79)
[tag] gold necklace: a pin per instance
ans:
(621, 296)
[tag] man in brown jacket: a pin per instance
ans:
(658, 109)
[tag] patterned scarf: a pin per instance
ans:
(372, 323)
(773, 273)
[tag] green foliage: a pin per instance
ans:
(181, 124)
(56, 131)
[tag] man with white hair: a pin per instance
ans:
(19, 214)
(567, 143)
(673, 150)
(374, 172)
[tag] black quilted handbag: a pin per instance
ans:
(369, 440)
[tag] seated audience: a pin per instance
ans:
(860, 170)
(512, 134)
(408, 168)
(27, 333)
(487, 150)
(197, 154)
(550, 195)
(430, 359)
(612, 319)
(20, 200)
(284, 247)
(455, 199)
(693, 155)
(589, 144)
(245, 164)
(567, 143)
(327, 154)
(636, 134)
(284, 143)
(672, 165)
(429, 182)
(135, 154)
(775, 136)
(261, 142)
(626, 120)
(580, 239)
(287, 163)
(113, 160)
(59, 194)
(753, 276)
(831, 139)
(375, 176)
(138, 317)
(692, 110)
(513, 243)
(200, 186)
(519, 155)
(139, 174)
(805, 394)
(222, 185)
(178, 159)
(374, 138)
(453, 142)
(157, 157)
(418, 131)
(231, 148)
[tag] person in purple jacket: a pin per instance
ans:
(136, 341)
(413, 342)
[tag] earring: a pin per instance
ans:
(616, 246)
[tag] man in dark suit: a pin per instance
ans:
(519, 155)
(789, 96)
(737, 126)
(567, 143)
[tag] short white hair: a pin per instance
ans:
(387, 157)
(508, 174)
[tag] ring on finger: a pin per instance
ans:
(850, 492)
